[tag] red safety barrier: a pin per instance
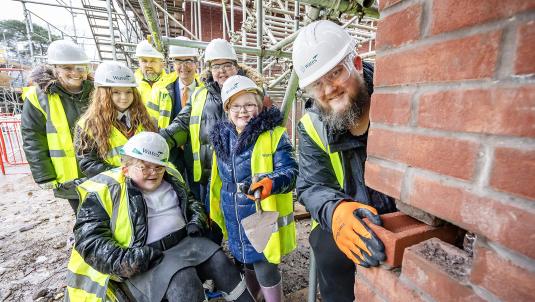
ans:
(11, 144)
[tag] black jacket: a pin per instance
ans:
(94, 238)
(33, 125)
(212, 113)
(317, 187)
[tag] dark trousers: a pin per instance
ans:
(74, 204)
(186, 284)
(214, 233)
(336, 273)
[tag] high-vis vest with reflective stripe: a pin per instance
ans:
(84, 283)
(145, 89)
(160, 104)
(314, 128)
(117, 140)
(58, 133)
(198, 100)
(283, 239)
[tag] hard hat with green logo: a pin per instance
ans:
(114, 74)
(66, 52)
(318, 48)
(146, 50)
(147, 146)
(236, 84)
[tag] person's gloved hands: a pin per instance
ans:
(265, 184)
(48, 185)
(353, 237)
(194, 230)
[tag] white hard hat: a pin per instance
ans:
(145, 49)
(147, 146)
(318, 48)
(235, 84)
(114, 74)
(66, 52)
(219, 49)
(181, 51)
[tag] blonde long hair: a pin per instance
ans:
(102, 115)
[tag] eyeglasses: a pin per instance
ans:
(219, 67)
(149, 171)
(183, 62)
(73, 68)
(238, 108)
(336, 76)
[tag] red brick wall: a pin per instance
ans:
(212, 20)
(453, 134)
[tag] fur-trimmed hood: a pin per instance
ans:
(43, 77)
(267, 120)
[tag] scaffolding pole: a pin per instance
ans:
(28, 29)
(259, 33)
(112, 31)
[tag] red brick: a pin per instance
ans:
(447, 156)
(391, 34)
(383, 179)
(504, 223)
(472, 57)
(525, 56)
(387, 283)
(383, 4)
(363, 292)
(436, 278)
(449, 15)
(514, 172)
(400, 231)
(501, 110)
(391, 108)
(507, 280)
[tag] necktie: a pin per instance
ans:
(184, 96)
(123, 120)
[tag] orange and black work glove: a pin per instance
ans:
(265, 184)
(353, 237)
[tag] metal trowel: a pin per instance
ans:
(259, 226)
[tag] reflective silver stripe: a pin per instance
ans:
(285, 220)
(57, 153)
(165, 113)
(115, 194)
(85, 283)
(153, 106)
(196, 156)
(66, 294)
(194, 120)
(50, 128)
(114, 152)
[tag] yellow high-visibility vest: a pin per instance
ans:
(160, 104)
(145, 89)
(314, 128)
(58, 133)
(116, 140)
(198, 100)
(283, 239)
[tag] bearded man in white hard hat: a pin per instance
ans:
(204, 110)
(139, 224)
(51, 109)
(167, 102)
(332, 153)
(151, 75)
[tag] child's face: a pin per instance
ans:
(147, 176)
(122, 97)
(242, 109)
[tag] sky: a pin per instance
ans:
(57, 16)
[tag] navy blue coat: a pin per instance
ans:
(233, 154)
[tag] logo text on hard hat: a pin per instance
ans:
(153, 153)
(313, 61)
(232, 88)
(125, 77)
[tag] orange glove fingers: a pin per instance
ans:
(266, 184)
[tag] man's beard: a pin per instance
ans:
(151, 76)
(350, 117)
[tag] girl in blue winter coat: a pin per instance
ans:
(250, 143)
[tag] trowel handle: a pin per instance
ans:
(257, 195)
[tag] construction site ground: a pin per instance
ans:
(34, 247)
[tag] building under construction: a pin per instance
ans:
(451, 136)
